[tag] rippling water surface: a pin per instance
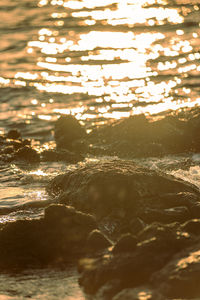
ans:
(98, 60)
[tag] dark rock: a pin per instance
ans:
(135, 268)
(17, 144)
(61, 155)
(119, 189)
(27, 154)
(138, 294)
(136, 225)
(109, 290)
(97, 241)
(138, 136)
(169, 200)
(86, 220)
(195, 209)
(180, 278)
(57, 238)
(54, 212)
(144, 138)
(170, 132)
(133, 128)
(170, 215)
(8, 150)
(13, 134)
(159, 230)
(191, 226)
(68, 130)
(127, 243)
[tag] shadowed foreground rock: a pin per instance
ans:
(180, 278)
(122, 191)
(164, 264)
(153, 219)
(57, 238)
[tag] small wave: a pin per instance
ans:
(192, 175)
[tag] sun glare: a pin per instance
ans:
(112, 57)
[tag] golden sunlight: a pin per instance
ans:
(118, 61)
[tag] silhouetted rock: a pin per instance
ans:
(27, 154)
(169, 215)
(136, 225)
(191, 226)
(180, 278)
(68, 130)
(138, 294)
(127, 243)
(122, 190)
(97, 241)
(13, 134)
(157, 247)
(138, 136)
(57, 238)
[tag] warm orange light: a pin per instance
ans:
(108, 58)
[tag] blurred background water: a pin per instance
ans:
(98, 60)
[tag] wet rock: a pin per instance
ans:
(138, 294)
(180, 278)
(68, 130)
(27, 154)
(191, 226)
(97, 241)
(193, 129)
(195, 209)
(135, 268)
(170, 132)
(14, 134)
(136, 225)
(57, 238)
(132, 128)
(85, 219)
(144, 137)
(109, 290)
(159, 230)
(61, 155)
(8, 150)
(170, 215)
(127, 243)
(116, 189)
(54, 212)
(138, 136)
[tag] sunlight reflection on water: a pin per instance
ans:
(130, 56)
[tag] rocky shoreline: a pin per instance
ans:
(131, 230)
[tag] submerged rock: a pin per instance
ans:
(57, 238)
